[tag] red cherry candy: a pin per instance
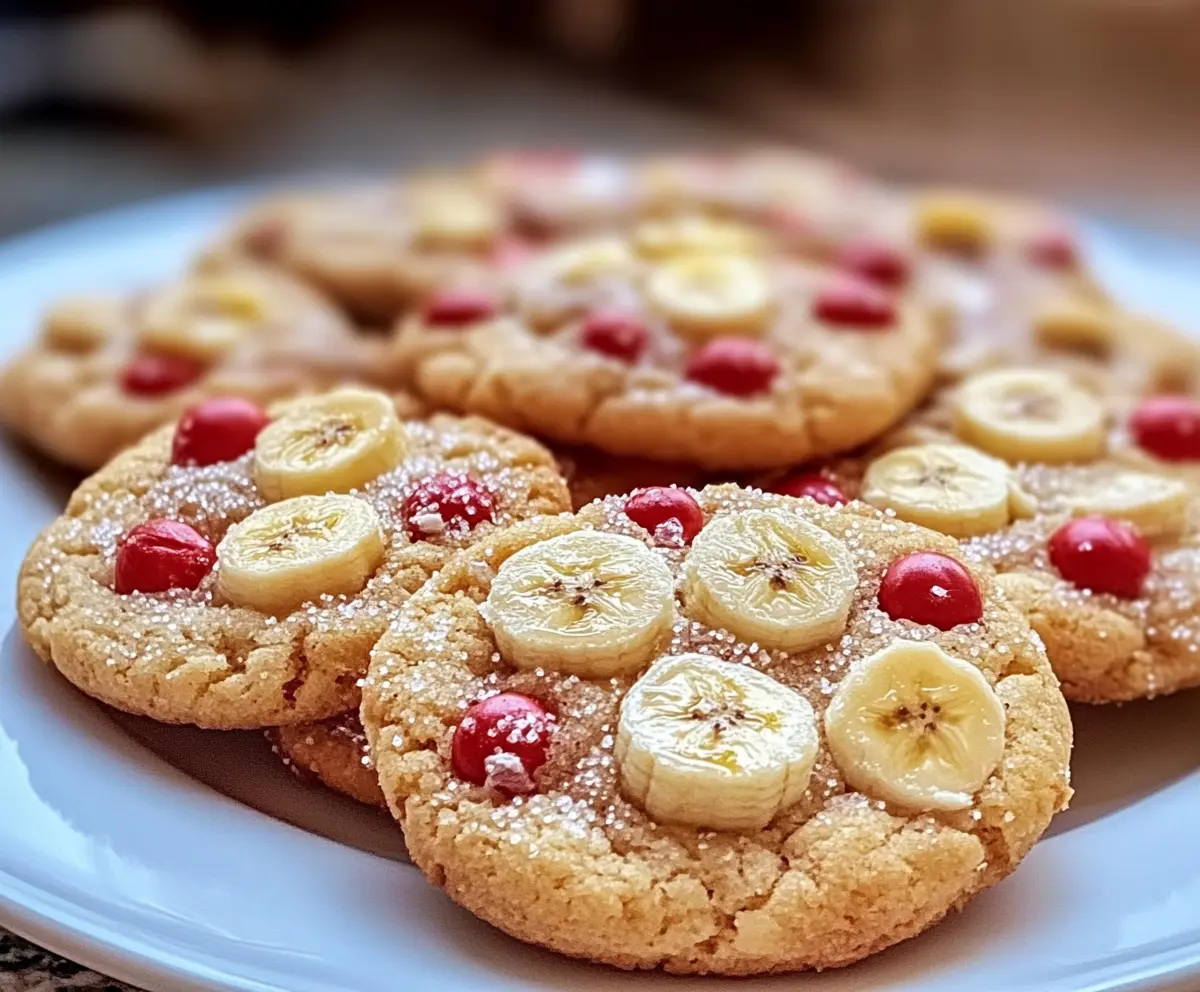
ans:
(813, 485)
(160, 555)
(506, 737)
(451, 499)
(1168, 427)
(616, 334)
(672, 515)
(930, 588)
(1101, 555)
(1054, 249)
(854, 303)
(458, 307)
(734, 366)
(153, 375)
(875, 261)
(217, 430)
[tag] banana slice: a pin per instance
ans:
(955, 222)
(294, 552)
(1156, 505)
(946, 487)
(771, 577)
(1073, 324)
(713, 744)
(453, 216)
(328, 444)
(1030, 415)
(584, 261)
(694, 234)
(707, 296)
(916, 727)
(202, 319)
(590, 603)
(81, 323)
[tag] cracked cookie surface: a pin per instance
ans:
(726, 359)
(570, 863)
(107, 370)
(190, 653)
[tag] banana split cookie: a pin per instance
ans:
(107, 370)
(741, 733)
(674, 342)
(1102, 552)
(235, 569)
(376, 250)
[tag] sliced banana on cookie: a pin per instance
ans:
(203, 319)
(916, 727)
(453, 216)
(1075, 324)
(1158, 506)
(589, 603)
(771, 577)
(1034, 415)
(328, 444)
(81, 323)
(946, 487)
(294, 552)
(714, 744)
(694, 234)
(593, 258)
(710, 295)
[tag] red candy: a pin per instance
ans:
(1054, 249)
(154, 375)
(734, 366)
(854, 303)
(217, 430)
(160, 555)
(502, 740)
(447, 500)
(813, 485)
(1168, 427)
(930, 588)
(458, 307)
(616, 334)
(1101, 555)
(672, 515)
(876, 262)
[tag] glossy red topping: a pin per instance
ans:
(672, 515)
(502, 741)
(1102, 555)
(1168, 427)
(930, 588)
(458, 307)
(217, 430)
(875, 261)
(616, 334)
(813, 485)
(160, 555)
(154, 375)
(854, 303)
(1054, 249)
(449, 500)
(735, 366)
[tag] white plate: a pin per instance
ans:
(183, 860)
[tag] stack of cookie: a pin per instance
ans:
(691, 553)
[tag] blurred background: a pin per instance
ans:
(1093, 101)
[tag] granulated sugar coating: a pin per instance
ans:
(1103, 647)
(577, 867)
(335, 751)
(190, 656)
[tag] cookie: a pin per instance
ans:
(376, 250)
(675, 342)
(105, 371)
(1100, 548)
(333, 751)
(234, 570)
(710, 741)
